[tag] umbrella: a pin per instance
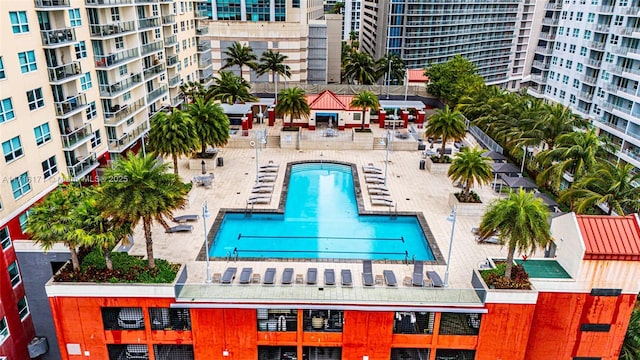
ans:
(495, 156)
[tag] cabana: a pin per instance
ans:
(496, 156)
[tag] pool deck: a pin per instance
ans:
(412, 189)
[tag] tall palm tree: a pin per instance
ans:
(148, 194)
(54, 220)
(470, 167)
(230, 89)
(173, 134)
(522, 221)
(391, 66)
(210, 122)
(609, 184)
(551, 121)
(631, 346)
(446, 124)
(241, 55)
(360, 68)
(191, 90)
(367, 101)
(293, 103)
(274, 62)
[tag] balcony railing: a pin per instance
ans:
(44, 4)
(204, 46)
(117, 114)
(204, 64)
(148, 23)
(177, 100)
(596, 45)
(157, 93)
(77, 136)
(107, 2)
(585, 96)
(611, 125)
(114, 59)
(632, 10)
(119, 87)
(605, 9)
(553, 6)
(602, 28)
(58, 36)
(72, 104)
(200, 13)
(63, 72)
(153, 47)
(112, 29)
(540, 64)
(589, 80)
(174, 81)
(152, 71)
(172, 60)
(544, 50)
(128, 138)
(202, 31)
(539, 78)
(82, 166)
(170, 40)
(594, 62)
(549, 21)
(168, 19)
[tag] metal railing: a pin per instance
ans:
(174, 81)
(152, 47)
(82, 166)
(108, 2)
(112, 29)
(117, 114)
(170, 40)
(168, 19)
(128, 138)
(155, 94)
(199, 13)
(70, 105)
(485, 139)
(152, 71)
(117, 58)
(63, 72)
(148, 23)
(120, 86)
(58, 36)
(51, 3)
(204, 46)
(202, 31)
(172, 60)
(76, 136)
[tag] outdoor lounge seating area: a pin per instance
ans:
(203, 180)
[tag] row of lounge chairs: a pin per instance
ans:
(378, 192)
(261, 192)
(182, 227)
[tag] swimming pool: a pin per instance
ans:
(320, 220)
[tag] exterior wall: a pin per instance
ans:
(511, 321)
(317, 53)
(334, 48)
(352, 18)
(568, 239)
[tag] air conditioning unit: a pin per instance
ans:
(38, 346)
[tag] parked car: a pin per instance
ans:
(131, 318)
(137, 352)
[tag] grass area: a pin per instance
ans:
(494, 278)
(126, 269)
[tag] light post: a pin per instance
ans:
(259, 140)
(386, 162)
(525, 150)
(406, 83)
(144, 152)
(205, 215)
(452, 217)
(389, 77)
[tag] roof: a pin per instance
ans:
(417, 75)
(516, 182)
(235, 108)
(495, 156)
(399, 104)
(610, 237)
(504, 168)
(328, 100)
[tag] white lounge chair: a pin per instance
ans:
(377, 187)
(371, 170)
(268, 169)
(269, 166)
(379, 192)
(259, 201)
(380, 197)
(383, 202)
(374, 180)
(266, 178)
(373, 176)
(259, 196)
(262, 189)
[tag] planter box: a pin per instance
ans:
(437, 168)
(196, 164)
(468, 209)
(502, 296)
(362, 140)
(289, 139)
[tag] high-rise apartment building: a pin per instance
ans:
(79, 80)
(492, 34)
(587, 58)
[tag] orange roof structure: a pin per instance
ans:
(327, 100)
(417, 75)
(610, 237)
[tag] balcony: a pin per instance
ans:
(148, 23)
(128, 138)
(76, 136)
(605, 9)
(202, 31)
(539, 78)
(204, 46)
(544, 50)
(153, 47)
(632, 10)
(51, 4)
(172, 61)
(63, 73)
(204, 64)
(553, 6)
(594, 63)
(177, 100)
(540, 64)
(107, 3)
(112, 29)
(604, 28)
(118, 114)
(169, 41)
(550, 21)
(153, 71)
(58, 37)
(200, 13)
(596, 45)
(157, 93)
(103, 61)
(585, 96)
(621, 50)
(70, 106)
(83, 165)
(174, 81)
(168, 20)
(620, 130)
(590, 80)
(111, 90)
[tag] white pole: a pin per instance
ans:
(205, 215)
(386, 162)
(144, 152)
(275, 80)
(524, 154)
(256, 146)
(452, 218)
(388, 77)
(406, 83)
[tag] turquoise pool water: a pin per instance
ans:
(320, 221)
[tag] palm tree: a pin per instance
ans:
(446, 124)
(230, 89)
(470, 167)
(191, 90)
(210, 122)
(274, 62)
(392, 67)
(173, 134)
(609, 184)
(241, 55)
(631, 345)
(551, 121)
(293, 103)
(367, 101)
(148, 194)
(522, 221)
(360, 68)
(53, 220)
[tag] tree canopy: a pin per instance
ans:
(449, 81)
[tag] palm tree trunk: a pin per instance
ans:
(175, 163)
(204, 147)
(75, 261)
(444, 146)
(507, 270)
(107, 258)
(363, 114)
(241, 75)
(163, 223)
(275, 82)
(146, 224)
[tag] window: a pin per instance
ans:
(23, 308)
(81, 50)
(561, 30)
(181, 25)
(119, 42)
(5, 239)
(23, 221)
(12, 149)
(6, 110)
(85, 82)
(576, 83)
(14, 273)
(564, 15)
(579, 15)
(618, 20)
(42, 133)
(27, 61)
(587, 34)
(96, 139)
(613, 39)
(126, 96)
(591, 17)
(609, 58)
(413, 322)
(576, 33)
(174, 319)
(186, 62)
(572, 48)
(122, 70)
(558, 45)
(49, 167)
(565, 79)
(579, 67)
(20, 185)
(35, 99)
(296, 4)
(572, 99)
(551, 74)
(4, 330)
(605, 76)
(184, 44)
(554, 60)
(115, 14)
(569, 64)
(2, 73)
(74, 17)
(459, 323)
(600, 93)
(583, 51)
(19, 22)
(562, 94)
(92, 111)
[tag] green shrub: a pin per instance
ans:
(494, 278)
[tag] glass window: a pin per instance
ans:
(96, 139)
(35, 99)
(42, 133)
(609, 58)
(591, 17)
(23, 308)
(579, 67)
(19, 22)
(6, 110)
(576, 33)
(4, 330)
(12, 149)
(565, 79)
(5, 238)
(569, 64)
(583, 51)
(14, 273)
(572, 48)
(20, 185)
(2, 73)
(92, 111)
(122, 70)
(119, 42)
(587, 34)
(23, 221)
(49, 167)
(27, 61)
(85, 82)
(81, 50)
(579, 15)
(459, 323)
(115, 14)
(572, 99)
(74, 17)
